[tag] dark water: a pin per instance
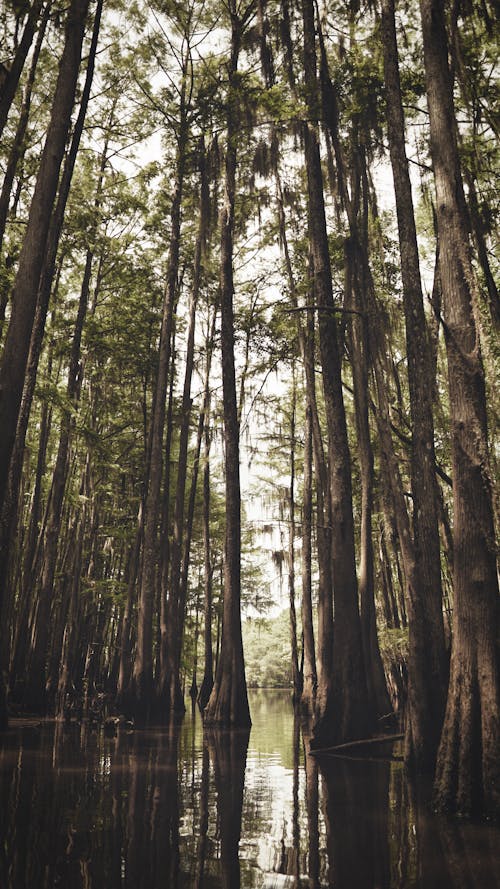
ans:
(162, 809)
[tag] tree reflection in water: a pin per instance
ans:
(312, 808)
(176, 809)
(151, 849)
(228, 751)
(355, 799)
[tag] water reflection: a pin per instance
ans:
(178, 809)
(356, 804)
(228, 751)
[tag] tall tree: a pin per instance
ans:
(177, 590)
(343, 706)
(24, 297)
(360, 360)
(309, 674)
(427, 657)
(468, 768)
(228, 702)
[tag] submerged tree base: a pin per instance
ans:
(468, 768)
(228, 705)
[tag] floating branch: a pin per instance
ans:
(365, 742)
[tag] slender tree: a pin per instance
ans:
(13, 74)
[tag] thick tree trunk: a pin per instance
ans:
(228, 703)
(427, 665)
(343, 708)
(468, 768)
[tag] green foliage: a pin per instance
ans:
(266, 643)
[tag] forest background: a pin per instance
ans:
(213, 254)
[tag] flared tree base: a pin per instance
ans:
(468, 767)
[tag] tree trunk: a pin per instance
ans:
(324, 642)
(163, 605)
(296, 676)
(32, 286)
(9, 86)
(427, 665)
(309, 676)
(468, 768)
(208, 672)
(177, 597)
(35, 691)
(125, 664)
(228, 703)
(323, 517)
(375, 676)
(18, 147)
(343, 706)
(67, 659)
(24, 297)
(142, 676)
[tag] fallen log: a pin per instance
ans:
(364, 742)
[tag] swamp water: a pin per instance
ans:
(160, 809)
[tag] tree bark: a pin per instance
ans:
(142, 677)
(309, 676)
(468, 767)
(208, 671)
(343, 706)
(228, 703)
(427, 664)
(296, 675)
(375, 677)
(178, 591)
